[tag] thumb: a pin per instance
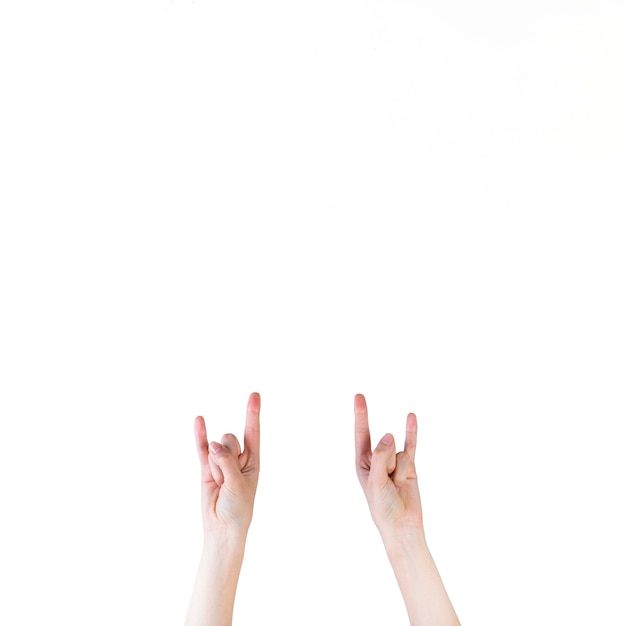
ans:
(226, 462)
(383, 461)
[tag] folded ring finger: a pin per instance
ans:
(230, 442)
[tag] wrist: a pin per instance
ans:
(213, 596)
(403, 541)
(225, 543)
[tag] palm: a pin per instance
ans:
(220, 503)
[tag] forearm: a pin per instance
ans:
(213, 596)
(425, 597)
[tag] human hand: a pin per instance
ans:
(389, 480)
(229, 476)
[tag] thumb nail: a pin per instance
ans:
(387, 439)
(215, 447)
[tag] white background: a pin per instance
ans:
(422, 202)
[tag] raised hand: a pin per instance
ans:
(229, 476)
(389, 480)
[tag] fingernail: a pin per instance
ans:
(387, 439)
(215, 447)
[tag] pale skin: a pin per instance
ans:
(229, 477)
(228, 482)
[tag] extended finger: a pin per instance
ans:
(383, 461)
(411, 435)
(203, 450)
(201, 441)
(362, 440)
(252, 433)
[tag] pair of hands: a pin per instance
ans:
(229, 475)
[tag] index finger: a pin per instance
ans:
(252, 433)
(411, 435)
(362, 441)
(202, 445)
